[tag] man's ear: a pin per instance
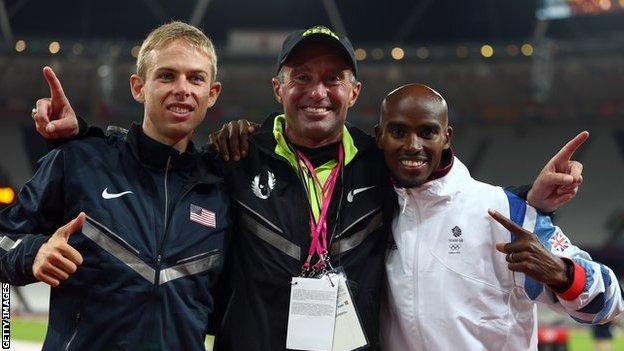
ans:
(136, 86)
(449, 137)
(378, 135)
(215, 90)
(277, 89)
(357, 87)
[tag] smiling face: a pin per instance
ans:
(177, 91)
(316, 87)
(413, 132)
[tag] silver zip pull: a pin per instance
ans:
(71, 339)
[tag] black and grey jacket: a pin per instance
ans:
(272, 237)
(149, 268)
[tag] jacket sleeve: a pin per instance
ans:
(594, 295)
(39, 209)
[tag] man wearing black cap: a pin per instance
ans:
(278, 189)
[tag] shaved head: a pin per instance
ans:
(413, 132)
(409, 95)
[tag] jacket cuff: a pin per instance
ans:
(521, 191)
(34, 244)
(578, 283)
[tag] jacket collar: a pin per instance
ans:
(266, 141)
(155, 154)
(437, 190)
(282, 148)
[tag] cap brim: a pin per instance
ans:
(323, 38)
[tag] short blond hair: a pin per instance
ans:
(176, 30)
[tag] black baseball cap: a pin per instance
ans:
(296, 38)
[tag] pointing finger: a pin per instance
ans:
(508, 224)
(568, 150)
(56, 90)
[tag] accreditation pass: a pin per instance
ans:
(348, 332)
(311, 314)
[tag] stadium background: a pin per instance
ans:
(520, 76)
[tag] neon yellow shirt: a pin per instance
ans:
(322, 171)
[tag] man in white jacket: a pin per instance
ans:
(457, 279)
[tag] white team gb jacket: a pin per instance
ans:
(448, 287)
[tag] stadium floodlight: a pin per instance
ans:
(360, 54)
(526, 49)
(20, 45)
(54, 47)
(397, 53)
(487, 51)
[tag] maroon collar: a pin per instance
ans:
(446, 163)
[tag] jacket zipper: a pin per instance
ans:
(160, 245)
(185, 191)
(71, 339)
(416, 270)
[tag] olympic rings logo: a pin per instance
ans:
(454, 247)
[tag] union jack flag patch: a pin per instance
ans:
(559, 241)
(203, 216)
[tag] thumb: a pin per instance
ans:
(73, 226)
(500, 247)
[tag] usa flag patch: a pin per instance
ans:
(203, 216)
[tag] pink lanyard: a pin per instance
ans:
(318, 228)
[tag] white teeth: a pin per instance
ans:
(410, 163)
(178, 109)
(315, 109)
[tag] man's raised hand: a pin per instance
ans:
(559, 180)
(54, 117)
(56, 260)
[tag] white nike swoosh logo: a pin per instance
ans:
(106, 195)
(357, 191)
